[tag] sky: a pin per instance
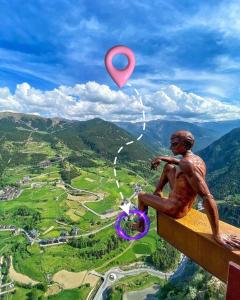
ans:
(187, 59)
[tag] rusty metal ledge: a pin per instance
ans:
(192, 236)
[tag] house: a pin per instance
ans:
(37, 185)
(58, 158)
(26, 180)
(9, 193)
(44, 164)
(74, 231)
(137, 188)
(62, 239)
(33, 234)
(63, 233)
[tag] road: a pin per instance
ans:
(103, 216)
(115, 274)
(6, 287)
(99, 198)
(149, 293)
(83, 203)
(1, 263)
(75, 236)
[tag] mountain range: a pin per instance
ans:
(221, 127)
(158, 132)
(82, 142)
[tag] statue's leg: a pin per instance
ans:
(168, 176)
(162, 204)
(157, 200)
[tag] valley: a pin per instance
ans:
(58, 206)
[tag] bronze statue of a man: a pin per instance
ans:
(186, 178)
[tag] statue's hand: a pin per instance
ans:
(155, 162)
(229, 241)
(158, 193)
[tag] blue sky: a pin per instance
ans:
(192, 45)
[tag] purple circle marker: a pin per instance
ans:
(141, 215)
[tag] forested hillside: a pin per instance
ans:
(223, 162)
(80, 142)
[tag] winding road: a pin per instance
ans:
(115, 274)
(99, 198)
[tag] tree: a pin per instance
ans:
(32, 295)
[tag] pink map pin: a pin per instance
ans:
(120, 76)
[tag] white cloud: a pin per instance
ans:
(227, 63)
(227, 19)
(223, 18)
(89, 100)
(171, 100)
(206, 83)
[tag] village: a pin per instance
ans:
(12, 192)
(9, 193)
(32, 235)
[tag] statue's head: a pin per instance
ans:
(181, 142)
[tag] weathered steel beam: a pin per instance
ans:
(233, 287)
(192, 235)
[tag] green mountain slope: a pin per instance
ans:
(75, 140)
(223, 162)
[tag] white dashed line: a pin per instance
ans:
(131, 142)
(120, 149)
(136, 91)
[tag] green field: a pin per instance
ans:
(133, 283)
(36, 262)
(49, 206)
(80, 294)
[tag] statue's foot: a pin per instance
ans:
(138, 226)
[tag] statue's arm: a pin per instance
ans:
(168, 159)
(199, 184)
